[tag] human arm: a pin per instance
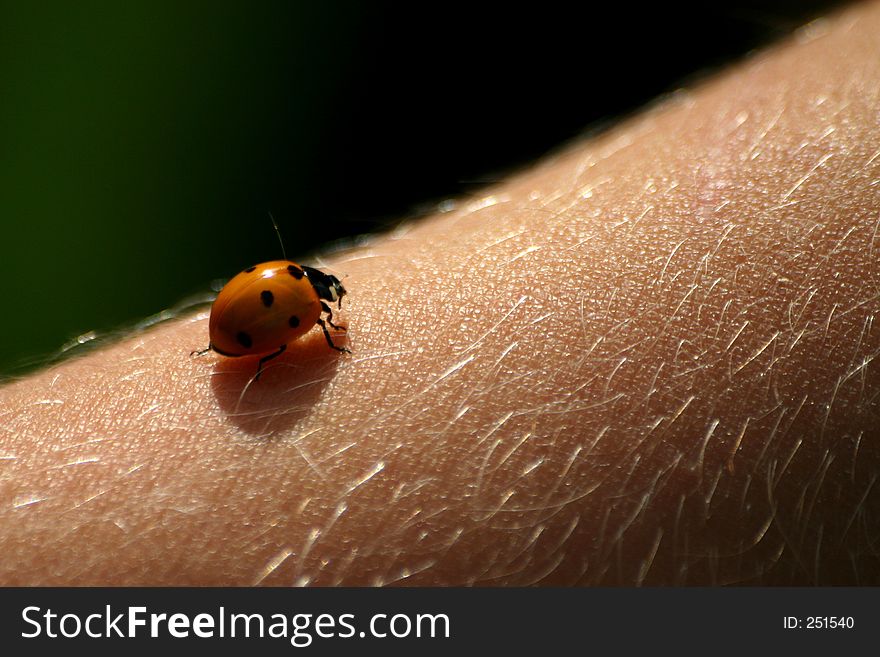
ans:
(649, 359)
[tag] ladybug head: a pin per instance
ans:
(327, 286)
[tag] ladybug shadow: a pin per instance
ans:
(287, 390)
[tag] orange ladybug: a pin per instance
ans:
(268, 306)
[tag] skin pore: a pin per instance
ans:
(650, 359)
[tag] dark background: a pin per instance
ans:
(142, 144)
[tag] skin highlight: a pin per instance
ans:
(648, 360)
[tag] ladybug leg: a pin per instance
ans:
(264, 359)
(329, 312)
(323, 326)
(200, 352)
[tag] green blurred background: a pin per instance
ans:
(143, 143)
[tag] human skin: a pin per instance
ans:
(650, 359)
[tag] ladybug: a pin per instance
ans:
(267, 306)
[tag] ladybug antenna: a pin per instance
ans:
(278, 232)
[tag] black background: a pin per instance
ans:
(142, 144)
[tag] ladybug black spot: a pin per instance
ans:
(250, 269)
(267, 297)
(295, 271)
(244, 340)
(293, 321)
